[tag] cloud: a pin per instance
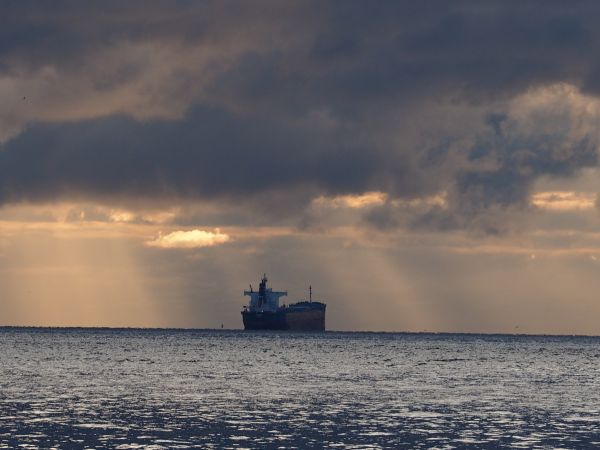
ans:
(274, 168)
(351, 201)
(189, 239)
(564, 201)
(547, 132)
(153, 60)
(279, 105)
(212, 153)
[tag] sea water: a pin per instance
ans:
(130, 389)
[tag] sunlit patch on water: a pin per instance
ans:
(154, 389)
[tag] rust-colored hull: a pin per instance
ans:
(306, 320)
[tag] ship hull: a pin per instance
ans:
(299, 319)
(264, 320)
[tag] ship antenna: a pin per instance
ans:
(251, 288)
(310, 293)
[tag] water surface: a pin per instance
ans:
(130, 389)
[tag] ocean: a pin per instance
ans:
(155, 389)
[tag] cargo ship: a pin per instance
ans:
(264, 312)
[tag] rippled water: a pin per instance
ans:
(129, 389)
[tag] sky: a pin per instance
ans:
(425, 166)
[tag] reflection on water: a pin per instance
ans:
(154, 389)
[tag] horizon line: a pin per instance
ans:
(424, 332)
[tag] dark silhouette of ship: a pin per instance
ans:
(264, 313)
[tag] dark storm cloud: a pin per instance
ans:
(209, 154)
(521, 162)
(363, 54)
(513, 155)
(337, 53)
(299, 99)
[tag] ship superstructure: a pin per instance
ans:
(265, 313)
(265, 299)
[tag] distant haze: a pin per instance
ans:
(424, 166)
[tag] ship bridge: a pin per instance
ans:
(265, 299)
